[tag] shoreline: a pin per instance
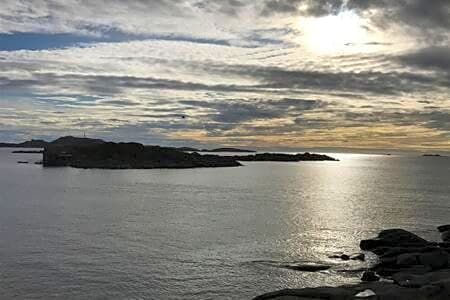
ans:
(408, 267)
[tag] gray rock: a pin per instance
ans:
(445, 235)
(383, 291)
(369, 276)
(340, 256)
(407, 259)
(345, 257)
(307, 267)
(394, 238)
(419, 270)
(410, 280)
(359, 256)
(435, 260)
(443, 228)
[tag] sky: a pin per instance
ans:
(267, 74)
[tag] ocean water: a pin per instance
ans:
(203, 233)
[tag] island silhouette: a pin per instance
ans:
(96, 153)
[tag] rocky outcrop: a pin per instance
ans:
(445, 232)
(391, 238)
(128, 156)
(306, 267)
(408, 267)
(284, 157)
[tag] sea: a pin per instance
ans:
(221, 233)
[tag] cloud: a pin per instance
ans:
(228, 7)
(266, 79)
(304, 7)
(430, 58)
(231, 71)
(416, 13)
(426, 20)
(364, 81)
(243, 110)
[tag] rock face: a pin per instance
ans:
(369, 276)
(410, 266)
(445, 232)
(391, 238)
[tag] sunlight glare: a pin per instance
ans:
(333, 33)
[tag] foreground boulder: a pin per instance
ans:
(409, 267)
(445, 232)
(393, 238)
(381, 290)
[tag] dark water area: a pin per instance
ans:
(203, 233)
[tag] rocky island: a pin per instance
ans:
(236, 150)
(228, 150)
(28, 152)
(284, 157)
(95, 153)
(408, 268)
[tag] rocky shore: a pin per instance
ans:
(408, 268)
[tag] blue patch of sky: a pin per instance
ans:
(67, 100)
(11, 94)
(42, 41)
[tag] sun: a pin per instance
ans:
(333, 33)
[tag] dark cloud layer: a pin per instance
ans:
(432, 58)
(312, 7)
(431, 18)
(241, 110)
(416, 13)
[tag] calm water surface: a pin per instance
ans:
(203, 233)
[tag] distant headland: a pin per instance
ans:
(27, 144)
(95, 153)
(433, 155)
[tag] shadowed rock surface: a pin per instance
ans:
(408, 267)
